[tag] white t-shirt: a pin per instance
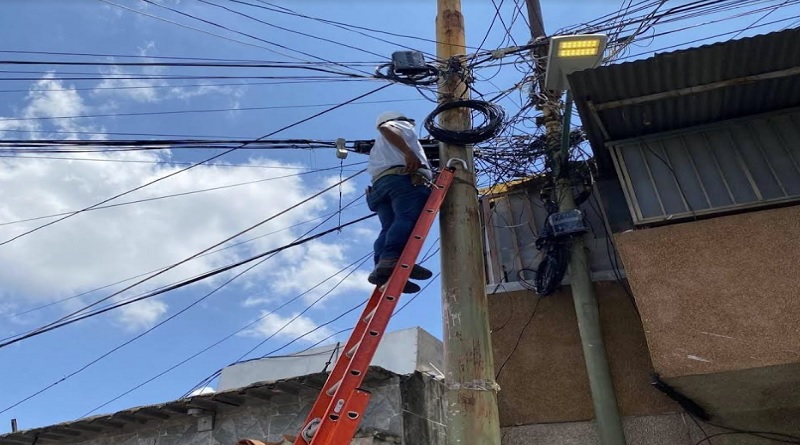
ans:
(385, 155)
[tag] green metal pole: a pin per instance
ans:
(604, 399)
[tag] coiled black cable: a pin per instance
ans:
(494, 114)
(429, 77)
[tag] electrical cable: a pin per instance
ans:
(185, 14)
(217, 156)
(175, 195)
(493, 114)
(779, 437)
(215, 374)
(366, 257)
(184, 283)
(519, 339)
(185, 260)
(430, 75)
(175, 86)
(292, 30)
(173, 316)
(210, 110)
(211, 377)
(36, 308)
(135, 161)
(342, 25)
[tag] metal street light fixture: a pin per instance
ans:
(569, 54)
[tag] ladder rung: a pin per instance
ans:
(332, 390)
(369, 316)
(353, 350)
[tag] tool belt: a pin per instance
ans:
(417, 178)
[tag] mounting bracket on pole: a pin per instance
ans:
(459, 160)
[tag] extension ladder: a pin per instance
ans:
(337, 412)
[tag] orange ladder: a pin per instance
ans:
(337, 412)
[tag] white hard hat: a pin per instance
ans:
(388, 116)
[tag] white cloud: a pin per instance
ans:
(99, 247)
(256, 301)
(288, 328)
(317, 262)
(125, 83)
(141, 314)
(48, 98)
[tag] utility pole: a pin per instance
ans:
(604, 400)
(472, 416)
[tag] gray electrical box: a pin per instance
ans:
(408, 62)
(569, 222)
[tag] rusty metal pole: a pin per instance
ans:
(472, 416)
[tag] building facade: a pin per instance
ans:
(696, 188)
(268, 399)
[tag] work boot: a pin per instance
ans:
(409, 288)
(383, 270)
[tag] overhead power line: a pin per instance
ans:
(136, 11)
(168, 319)
(207, 160)
(292, 30)
(212, 110)
(185, 260)
(176, 195)
(212, 23)
(63, 300)
(163, 290)
(313, 66)
(178, 86)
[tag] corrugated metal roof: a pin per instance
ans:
(256, 394)
(682, 69)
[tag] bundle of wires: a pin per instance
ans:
(430, 76)
(494, 117)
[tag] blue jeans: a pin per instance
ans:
(398, 204)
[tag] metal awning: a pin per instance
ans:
(687, 88)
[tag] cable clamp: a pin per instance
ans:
(341, 151)
(499, 53)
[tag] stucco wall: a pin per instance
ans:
(718, 295)
(545, 378)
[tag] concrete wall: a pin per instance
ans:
(720, 294)
(544, 380)
(423, 411)
(264, 422)
(667, 429)
(405, 410)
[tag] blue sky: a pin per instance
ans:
(104, 246)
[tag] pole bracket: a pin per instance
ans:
(458, 160)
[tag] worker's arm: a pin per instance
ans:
(413, 162)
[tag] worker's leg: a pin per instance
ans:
(378, 201)
(407, 202)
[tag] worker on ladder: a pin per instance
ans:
(400, 174)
